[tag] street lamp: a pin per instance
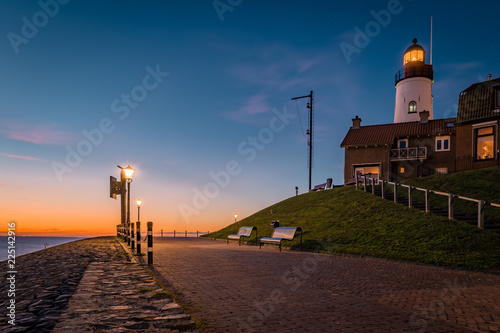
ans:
(235, 218)
(129, 173)
(139, 201)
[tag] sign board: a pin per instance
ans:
(114, 187)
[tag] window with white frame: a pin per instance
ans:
(442, 143)
(412, 107)
(485, 143)
(402, 143)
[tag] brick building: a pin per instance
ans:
(399, 151)
(417, 145)
(477, 124)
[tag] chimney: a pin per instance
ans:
(489, 76)
(356, 122)
(424, 117)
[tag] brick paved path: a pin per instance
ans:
(244, 289)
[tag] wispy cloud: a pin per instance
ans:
(278, 67)
(254, 105)
(41, 134)
(23, 157)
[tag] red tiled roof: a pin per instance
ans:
(386, 133)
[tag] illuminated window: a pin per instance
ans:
(402, 170)
(442, 143)
(414, 55)
(485, 143)
(412, 107)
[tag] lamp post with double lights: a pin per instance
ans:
(129, 173)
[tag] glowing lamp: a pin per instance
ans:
(139, 201)
(129, 173)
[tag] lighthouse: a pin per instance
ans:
(413, 86)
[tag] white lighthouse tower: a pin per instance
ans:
(413, 86)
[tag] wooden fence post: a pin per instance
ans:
(364, 183)
(382, 188)
(356, 180)
(480, 214)
(451, 199)
(373, 186)
(186, 233)
(410, 190)
(150, 243)
(427, 201)
(395, 192)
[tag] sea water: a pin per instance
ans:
(28, 244)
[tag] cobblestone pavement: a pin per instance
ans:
(118, 297)
(244, 289)
(88, 286)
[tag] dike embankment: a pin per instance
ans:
(89, 285)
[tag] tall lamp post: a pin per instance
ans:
(236, 220)
(139, 201)
(129, 173)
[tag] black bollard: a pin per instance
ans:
(128, 233)
(132, 236)
(138, 232)
(150, 243)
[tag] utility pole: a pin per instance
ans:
(309, 132)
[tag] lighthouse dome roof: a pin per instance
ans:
(415, 54)
(414, 46)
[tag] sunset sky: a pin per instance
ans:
(196, 96)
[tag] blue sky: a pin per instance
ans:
(179, 89)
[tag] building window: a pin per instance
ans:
(498, 99)
(442, 143)
(402, 170)
(403, 143)
(485, 143)
(412, 107)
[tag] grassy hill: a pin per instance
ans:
(344, 220)
(481, 184)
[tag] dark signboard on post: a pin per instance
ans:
(114, 187)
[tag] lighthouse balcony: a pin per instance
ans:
(407, 154)
(414, 71)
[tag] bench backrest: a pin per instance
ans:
(285, 232)
(245, 231)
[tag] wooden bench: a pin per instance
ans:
(280, 234)
(242, 232)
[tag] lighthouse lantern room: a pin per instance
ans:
(413, 86)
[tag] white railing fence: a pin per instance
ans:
(481, 204)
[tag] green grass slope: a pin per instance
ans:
(481, 184)
(344, 220)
